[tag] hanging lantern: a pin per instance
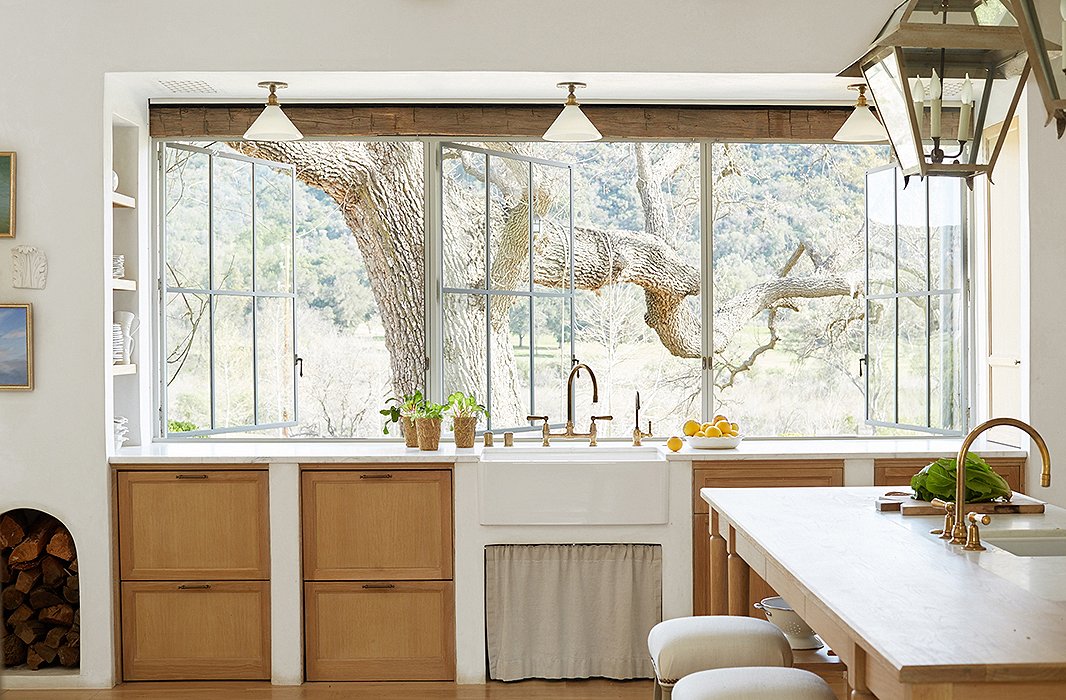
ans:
(940, 72)
(1050, 70)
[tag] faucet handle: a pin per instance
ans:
(540, 418)
(596, 418)
(973, 534)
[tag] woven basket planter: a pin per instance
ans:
(464, 428)
(410, 432)
(428, 433)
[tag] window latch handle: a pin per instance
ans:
(862, 364)
(300, 365)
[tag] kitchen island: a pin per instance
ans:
(911, 615)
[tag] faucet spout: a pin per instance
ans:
(958, 532)
(570, 389)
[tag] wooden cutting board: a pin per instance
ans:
(1019, 503)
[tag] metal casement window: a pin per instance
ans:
(256, 293)
(530, 295)
(916, 314)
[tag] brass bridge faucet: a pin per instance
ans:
(955, 520)
(568, 433)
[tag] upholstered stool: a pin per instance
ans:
(753, 684)
(686, 645)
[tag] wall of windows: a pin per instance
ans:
(723, 277)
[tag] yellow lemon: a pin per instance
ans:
(690, 428)
(732, 433)
(706, 426)
(723, 425)
(714, 432)
(700, 433)
(675, 443)
(719, 418)
(735, 428)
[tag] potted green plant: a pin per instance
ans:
(428, 418)
(402, 410)
(465, 411)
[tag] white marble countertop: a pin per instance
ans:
(329, 452)
(929, 608)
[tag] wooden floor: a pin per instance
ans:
(523, 690)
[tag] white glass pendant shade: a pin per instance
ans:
(861, 127)
(272, 124)
(572, 126)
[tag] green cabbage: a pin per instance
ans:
(937, 480)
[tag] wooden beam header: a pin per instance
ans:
(615, 122)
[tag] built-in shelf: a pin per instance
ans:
(123, 201)
(119, 370)
(123, 285)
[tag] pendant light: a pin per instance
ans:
(862, 126)
(572, 126)
(272, 124)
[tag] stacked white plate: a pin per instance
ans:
(118, 346)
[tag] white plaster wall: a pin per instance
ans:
(1044, 253)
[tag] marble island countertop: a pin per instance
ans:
(354, 452)
(925, 611)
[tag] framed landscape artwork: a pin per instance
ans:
(16, 347)
(7, 194)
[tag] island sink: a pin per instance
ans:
(1031, 543)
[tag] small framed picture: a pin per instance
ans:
(7, 194)
(16, 347)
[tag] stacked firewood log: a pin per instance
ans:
(38, 591)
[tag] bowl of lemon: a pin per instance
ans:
(719, 434)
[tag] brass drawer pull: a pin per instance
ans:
(375, 476)
(194, 586)
(191, 476)
(379, 586)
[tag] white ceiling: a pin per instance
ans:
(488, 87)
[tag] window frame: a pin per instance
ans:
(212, 293)
(433, 292)
(530, 294)
(929, 294)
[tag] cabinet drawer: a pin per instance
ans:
(195, 630)
(194, 525)
(380, 631)
(898, 472)
(377, 525)
(763, 474)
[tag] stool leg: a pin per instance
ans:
(657, 691)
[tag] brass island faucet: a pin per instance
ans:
(639, 434)
(955, 522)
(568, 433)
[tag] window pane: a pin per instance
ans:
(913, 361)
(913, 231)
(231, 209)
(273, 229)
(188, 370)
(881, 230)
(463, 219)
(464, 358)
(789, 254)
(551, 227)
(509, 224)
(233, 362)
(946, 206)
(510, 361)
(274, 362)
(187, 218)
(551, 351)
(946, 361)
(881, 378)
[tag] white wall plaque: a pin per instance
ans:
(29, 267)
